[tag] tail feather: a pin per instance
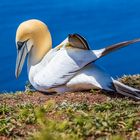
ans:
(126, 90)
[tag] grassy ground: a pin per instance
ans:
(70, 116)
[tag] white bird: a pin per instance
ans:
(67, 67)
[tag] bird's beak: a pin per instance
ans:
(22, 52)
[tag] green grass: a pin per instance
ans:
(13, 119)
(114, 119)
(82, 121)
(131, 80)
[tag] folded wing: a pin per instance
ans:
(70, 57)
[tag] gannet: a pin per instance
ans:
(69, 66)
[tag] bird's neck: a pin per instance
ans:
(38, 52)
(42, 43)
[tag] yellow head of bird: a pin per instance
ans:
(33, 38)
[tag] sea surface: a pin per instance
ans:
(101, 22)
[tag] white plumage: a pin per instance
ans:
(70, 66)
(67, 67)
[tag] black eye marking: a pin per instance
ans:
(20, 44)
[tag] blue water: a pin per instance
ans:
(101, 22)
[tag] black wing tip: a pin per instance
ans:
(81, 38)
